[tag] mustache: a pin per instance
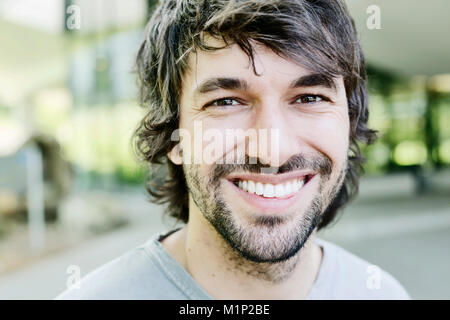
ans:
(320, 164)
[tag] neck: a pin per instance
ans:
(224, 274)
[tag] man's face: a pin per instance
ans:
(265, 215)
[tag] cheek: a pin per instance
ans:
(211, 140)
(329, 134)
(198, 177)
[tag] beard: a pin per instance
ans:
(263, 238)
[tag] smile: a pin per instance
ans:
(269, 193)
(268, 190)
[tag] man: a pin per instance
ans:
(290, 75)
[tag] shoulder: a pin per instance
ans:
(351, 277)
(133, 275)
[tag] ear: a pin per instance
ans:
(176, 154)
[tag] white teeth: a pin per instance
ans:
(251, 187)
(301, 183)
(259, 189)
(288, 188)
(295, 186)
(279, 191)
(268, 190)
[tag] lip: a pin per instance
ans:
(271, 205)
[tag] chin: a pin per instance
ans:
(266, 237)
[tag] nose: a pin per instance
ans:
(275, 141)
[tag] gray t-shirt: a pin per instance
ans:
(150, 272)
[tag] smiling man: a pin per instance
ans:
(290, 75)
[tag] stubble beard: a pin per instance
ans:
(266, 247)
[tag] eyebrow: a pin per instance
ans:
(221, 83)
(310, 80)
(314, 80)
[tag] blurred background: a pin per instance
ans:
(72, 192)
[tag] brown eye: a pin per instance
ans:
(310, 98)
(224, 102)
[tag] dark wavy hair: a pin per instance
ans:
(319, 34)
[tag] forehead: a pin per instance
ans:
(233, 62)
